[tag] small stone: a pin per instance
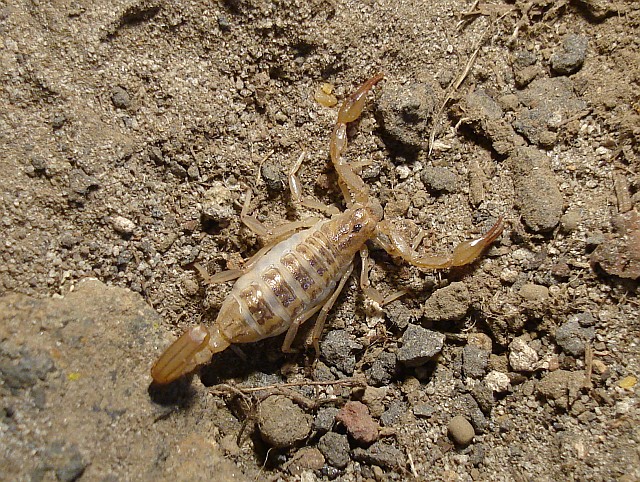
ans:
(570, 57)
(533, 292)
(120, 98)
(572, 338)
(480, 340)
(324, 419)
(628, 382)
(474, 361)
(382, 369)
(393, 413)
(537, 194)
(357, 420)
(273, 176)
(217, 206)
(497, 381)
(423, 410)
(123, 225)
(439, 179)
(419, 345)
(561, 387)
(307, 458)
(381, 454)
(337, 348)
(66, 460)
(282, 423)
(450, 303)
(522, 358)
(335, 448)
(373, 398)
(460, 430)
(404, 112)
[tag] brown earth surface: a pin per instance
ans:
(130, 132)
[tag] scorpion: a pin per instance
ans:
(305, 265)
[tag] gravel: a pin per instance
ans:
(419, 345)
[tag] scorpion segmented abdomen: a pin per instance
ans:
(294, 277)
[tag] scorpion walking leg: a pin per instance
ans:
(277, 234)
(464, 253)
(296, 191)
(351, 109)
(322, 317)
(365, 284)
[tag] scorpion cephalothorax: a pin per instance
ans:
(306, 264)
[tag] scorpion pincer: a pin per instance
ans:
(301, 272)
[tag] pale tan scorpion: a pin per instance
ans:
(296, 275)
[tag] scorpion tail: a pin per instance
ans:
(194, 347)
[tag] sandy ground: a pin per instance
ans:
(130, 132)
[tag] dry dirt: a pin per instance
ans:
(129, 134)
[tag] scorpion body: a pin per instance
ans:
(301, 274)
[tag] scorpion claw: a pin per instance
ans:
(468, 251)
(180, 358)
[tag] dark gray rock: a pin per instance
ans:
(381, 454)
(335, 448)
(548, 105)
(419, 345)
(474, 361)
(337, 348)
(23, 369)
(568, 59)
(120, 98)
(273, 176)
(382, 370)
(324, 419)
(572, 337)
(391, 416)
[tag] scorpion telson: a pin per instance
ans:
(303, 268)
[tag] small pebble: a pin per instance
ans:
(357, 420)
(460, 430)
(533, 292)
(440, 179)
(120, 98)
(282, 423)
(450, 303)
(380, 454)
(419, 345)
(123, 225)
(570, 56)
(497, 381)
(335, 448)
(307, 458)
(337, 348)
(572, 337)
(522, 358)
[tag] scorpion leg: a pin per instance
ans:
(296, 191)
(276, 234)
(350, 183)
(365, 284)
(193, 348)
(322, 317)
(464, 253)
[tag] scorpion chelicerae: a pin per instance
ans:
(302, 272)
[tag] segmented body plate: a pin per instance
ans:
(294, 277)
